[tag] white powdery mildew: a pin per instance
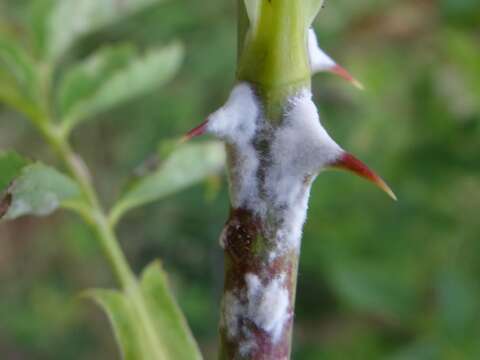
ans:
(303, 137)
(232, 310)
(267, 306)
(273, 181)
(223, 237)
(246, 347)
(299, 148)
(236, 124)
(319, 60)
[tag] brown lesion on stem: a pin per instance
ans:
(241, 231)
(248, 251)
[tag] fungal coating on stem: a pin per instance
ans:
(268, 305)
(276, 147)
(319, 60)
(236, 124)
(300, 149)
(271, 168)
(265, 306)
(272, 165)
(232, 310)
(273, 182)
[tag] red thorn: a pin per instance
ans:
(343, 73)
(197, 131)
(349, 162)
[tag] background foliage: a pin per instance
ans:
(377, 280)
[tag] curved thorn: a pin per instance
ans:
(343, 73)
(196, 131)
(351, 163)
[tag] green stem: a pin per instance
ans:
(262, 237)
(272, 56)
(96, 217)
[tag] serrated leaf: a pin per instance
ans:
(187, 165)
(147, 322)
(71, 19)
(32, 188)
(113, 76)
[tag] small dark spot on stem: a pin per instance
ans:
(241, 230)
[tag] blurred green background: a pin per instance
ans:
(378, 280)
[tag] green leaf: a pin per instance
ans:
(187, 165)
(40, 12)
(11, 165)
(71, 19)
(17, 63)
(147, 322)
(169, 323)
(32, 188)
(129, 333)
(113, 76)
(18, 78)
(85, 79)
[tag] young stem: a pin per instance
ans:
(98, 220)
(96, 216)
(272, 56)
(262, 236)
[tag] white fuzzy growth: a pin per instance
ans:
(223, 237)
(243, 177)
(301, 148)
(319, 60)
(268, 305)
(232, 310)
(302, 143)
(246, 347)
(236, 123)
